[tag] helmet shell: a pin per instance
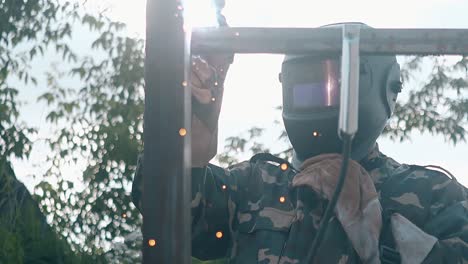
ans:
(315, 131)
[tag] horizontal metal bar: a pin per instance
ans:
(324, 40)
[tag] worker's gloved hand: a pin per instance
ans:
(207, 85)
(358, 208)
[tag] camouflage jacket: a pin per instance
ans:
(250, 213)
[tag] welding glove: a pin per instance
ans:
(358, 208)
(207, 85)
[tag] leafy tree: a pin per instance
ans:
(103, 120)
(27, 28)
(438, 105)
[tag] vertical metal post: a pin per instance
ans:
(348, 120)
(167, 193)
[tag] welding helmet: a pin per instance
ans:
(311, 97)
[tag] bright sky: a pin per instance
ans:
(252, 87)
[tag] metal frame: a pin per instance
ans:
(324, 40)
(167, 195)
(166, 180)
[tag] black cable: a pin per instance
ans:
(219, 6)
(332, 204)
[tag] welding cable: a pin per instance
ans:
(219, 6)
(347, 139)
(221, 19)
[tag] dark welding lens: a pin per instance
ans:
(312, 95)
(313, 84)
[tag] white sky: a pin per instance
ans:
(252, 87)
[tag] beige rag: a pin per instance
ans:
(358, 208)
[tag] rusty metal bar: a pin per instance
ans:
(166, 175)
(323, 40)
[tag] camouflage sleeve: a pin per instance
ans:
(448, 221)
(210, 214)
(213, 191)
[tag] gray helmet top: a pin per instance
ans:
(311, 102)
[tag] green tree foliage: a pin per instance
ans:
(99, 124)
(86, 218)
(438, 105)
(27, 28)
(103, 127)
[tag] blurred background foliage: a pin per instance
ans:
(100, 124)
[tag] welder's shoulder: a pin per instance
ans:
(430, 183)
(261, 164)
(271, 169)
(441, 181)
(262, 197)
(254, 174)
(436, 177)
